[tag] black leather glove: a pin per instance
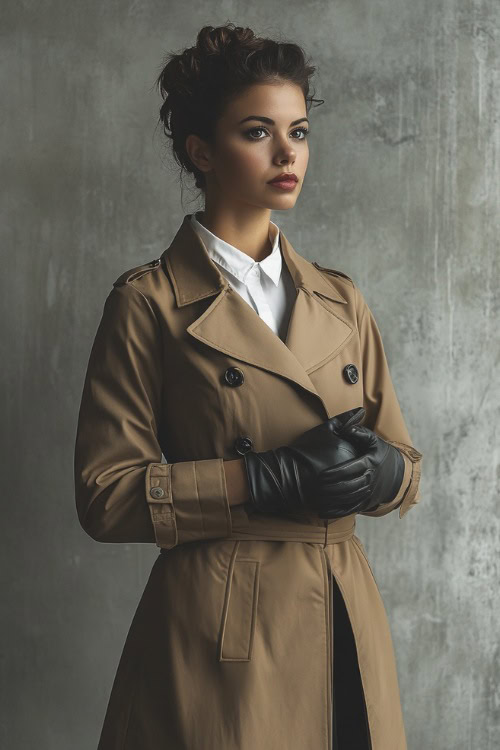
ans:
(364, 482)
(284, 479)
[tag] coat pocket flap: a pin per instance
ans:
(240, 609)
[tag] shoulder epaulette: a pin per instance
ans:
(137, 272)
(332, 271)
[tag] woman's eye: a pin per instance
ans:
(305, 131)
(253, 130)
(302, 130)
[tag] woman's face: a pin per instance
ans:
(249, 151)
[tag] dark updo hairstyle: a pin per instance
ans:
(197, 84)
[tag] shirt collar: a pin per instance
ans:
(236, 261)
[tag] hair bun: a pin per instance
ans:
(213, 39)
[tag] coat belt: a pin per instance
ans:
(279, 528)
(299, 527)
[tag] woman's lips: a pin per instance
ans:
(283, 184)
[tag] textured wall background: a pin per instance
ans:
(402, 193)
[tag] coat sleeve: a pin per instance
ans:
(123, 490)
(383, 412)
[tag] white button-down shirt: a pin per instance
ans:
(265, 285)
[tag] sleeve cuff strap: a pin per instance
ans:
(188, 501)
(409, 493)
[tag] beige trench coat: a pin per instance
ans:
(231, 646)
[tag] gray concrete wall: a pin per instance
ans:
(402, 193)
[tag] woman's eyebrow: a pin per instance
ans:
(269, 121)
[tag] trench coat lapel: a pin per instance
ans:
(317, 331)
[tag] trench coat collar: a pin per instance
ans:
(317, 331)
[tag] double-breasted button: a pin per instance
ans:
(157, 492)
(243, 444)
(351, 374)
(234, 376)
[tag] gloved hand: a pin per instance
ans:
(284, 479)
(364, 482)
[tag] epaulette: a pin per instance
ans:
(137, 272)
(333, 271)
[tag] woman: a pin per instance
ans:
(249, 369)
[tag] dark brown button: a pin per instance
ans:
(243, 444)
(234, 376)
(157, 492)
(351, 374)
